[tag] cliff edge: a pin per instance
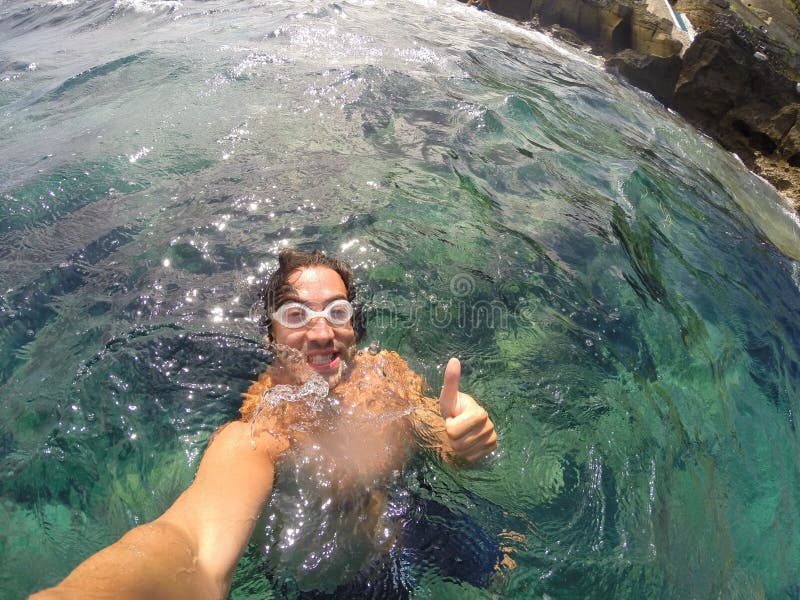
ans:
(729, 67)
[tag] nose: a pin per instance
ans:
(319, 330)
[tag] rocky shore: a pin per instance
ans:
(731, 68)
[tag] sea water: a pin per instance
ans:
(622, 293)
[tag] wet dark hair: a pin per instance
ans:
(278, 290)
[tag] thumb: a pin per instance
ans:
(448, 399)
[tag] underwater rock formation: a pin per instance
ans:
(737, 81)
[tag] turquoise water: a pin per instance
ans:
(622, 293)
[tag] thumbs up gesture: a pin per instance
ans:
(469, 429)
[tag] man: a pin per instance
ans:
(191, 551)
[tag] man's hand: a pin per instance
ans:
(468, 426)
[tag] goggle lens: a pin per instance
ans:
(295, 315)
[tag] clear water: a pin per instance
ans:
(622, 293)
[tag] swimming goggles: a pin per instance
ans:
(295, 315)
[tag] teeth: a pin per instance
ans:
(320, 359)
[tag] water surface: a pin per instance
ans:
(622, 293)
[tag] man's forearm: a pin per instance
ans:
(152, 562)
(191, 551)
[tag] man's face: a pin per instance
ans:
(326, 348)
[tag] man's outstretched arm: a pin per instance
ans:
(191, 551)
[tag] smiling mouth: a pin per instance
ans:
(323, 362)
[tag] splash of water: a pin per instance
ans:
(296, 406)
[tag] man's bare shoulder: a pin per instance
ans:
(252, 397)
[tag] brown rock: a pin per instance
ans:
(714, 77)
(609, 26)
(739, 100)
(513, 9)
(785, 177)
(784, 126)
(654, 74)
(702, 13)
(651, 34)
(566, 35)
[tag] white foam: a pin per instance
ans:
(140, 153)
(147, 6)
(508, 26)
